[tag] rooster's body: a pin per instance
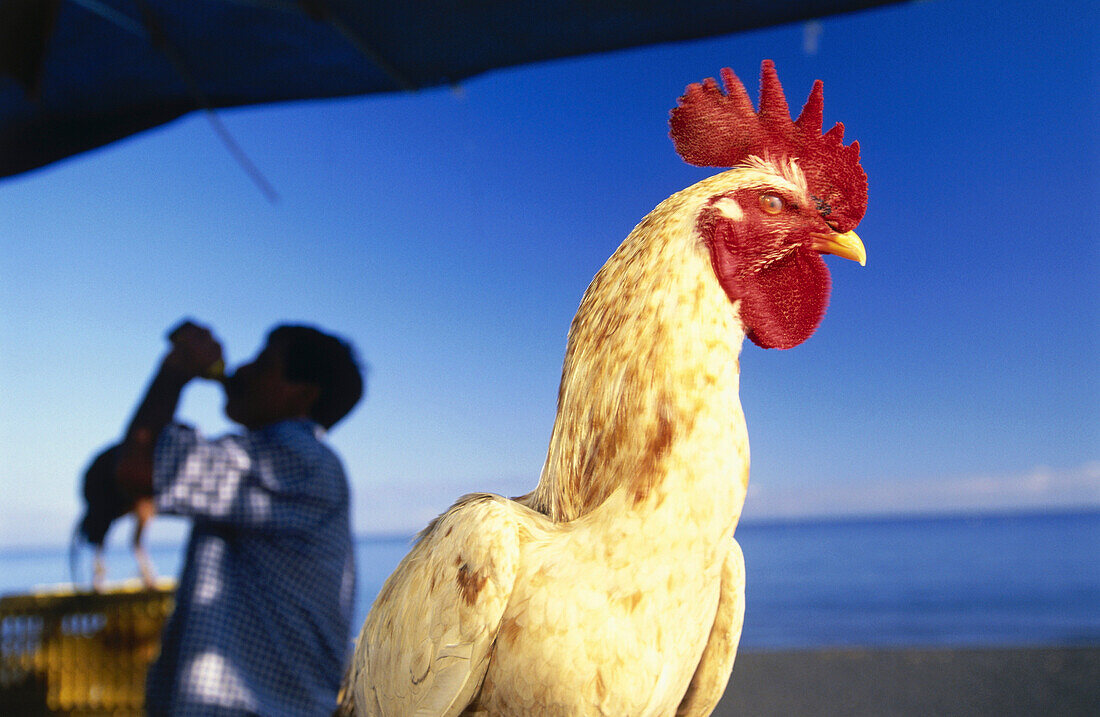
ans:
(616, 587)
(105, 503)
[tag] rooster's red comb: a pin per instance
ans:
(715, 129)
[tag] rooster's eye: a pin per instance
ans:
(771, 203)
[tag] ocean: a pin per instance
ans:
(1007, 580)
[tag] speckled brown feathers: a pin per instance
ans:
(632, 380)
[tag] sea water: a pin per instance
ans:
(945, 581)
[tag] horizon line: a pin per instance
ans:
(763, 521)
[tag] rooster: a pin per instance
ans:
(616, 587)
(105, 503)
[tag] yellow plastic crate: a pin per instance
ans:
(80, 653)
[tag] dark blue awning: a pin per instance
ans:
(78, 74)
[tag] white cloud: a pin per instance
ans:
(1041, 488)
(407, 509)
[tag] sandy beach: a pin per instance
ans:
(1051, 682)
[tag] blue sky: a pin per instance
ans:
(451, 233)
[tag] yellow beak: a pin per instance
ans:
(847, 245)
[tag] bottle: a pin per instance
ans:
(216, 370)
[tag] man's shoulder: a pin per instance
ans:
(300, 445)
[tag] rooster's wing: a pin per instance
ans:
(426, 644)
(709, 681)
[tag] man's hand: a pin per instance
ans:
(194, 351)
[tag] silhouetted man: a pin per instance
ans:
(261, 624)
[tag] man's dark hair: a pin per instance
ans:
(312, 356)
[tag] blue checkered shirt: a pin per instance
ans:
(264, 604)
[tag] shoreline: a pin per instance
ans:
(972, 681)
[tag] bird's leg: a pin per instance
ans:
(144, 511)
(99, 570)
